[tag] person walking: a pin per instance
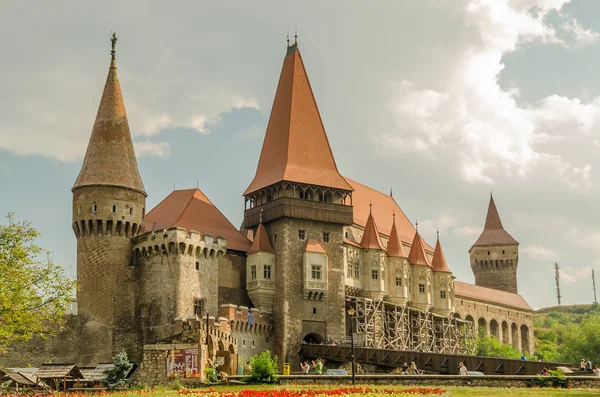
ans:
(582, 365)
(462, 369)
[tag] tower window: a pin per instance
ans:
(131, 211)
(316, 272)
(398, 281)
(197, 265)
(325, 237)
(488, 252)
(198, 307)
(443, 294)
(301, 234)
(303, 195)
(267, 272)
(374, 275)
(274, 237)
(114, 208)
(346, 234)
(314, 311)
(79, 210)
(502, 252)
(421, 288)
(253, 272)
(94, 207)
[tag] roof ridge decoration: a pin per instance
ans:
(296, 147)
(261, 241)
(110, 157)
(395, 247)
(417, 255)
(439, 259)
(493, 230)
(370, 238)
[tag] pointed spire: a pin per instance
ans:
(295, 148)
(110, 158)
(394, 247)
(439, 259)
(493, 231)
(261, 241)
(391, 193)
(417, 255)
(370, 238)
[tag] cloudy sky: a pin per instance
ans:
(442, 100)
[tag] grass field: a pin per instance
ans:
(375, 391)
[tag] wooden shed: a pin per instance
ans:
(56, 374)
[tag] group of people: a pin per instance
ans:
(305, 366)
(409, 369)
(587, 366)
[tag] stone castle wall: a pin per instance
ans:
(496, 267)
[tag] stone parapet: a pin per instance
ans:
(238, 319)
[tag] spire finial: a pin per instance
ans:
(113, 40)
(370, 208)
(438, 233)
(391, 194)
(394, 217)
(288, 38)
(417, 225)
(296, 34)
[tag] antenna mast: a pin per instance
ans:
(594, 284)
(557, 277)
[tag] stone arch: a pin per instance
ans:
(470, 318)
(456, 315)
(514, 333)
(525, 338)
(495, 329)
(231, 349)
(313, 338)
(505, 332)
(481, 323)
(221, 345)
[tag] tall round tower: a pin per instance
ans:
(495, 255)
(108, 209)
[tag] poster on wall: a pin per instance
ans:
(182, 363)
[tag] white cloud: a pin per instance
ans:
(571, 275)
(471, 119)
(588, 239)
(581, 35)
(540, 253)
(152, 149)
(469, 231)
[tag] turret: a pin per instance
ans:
(260, 271)
(421, 274)
(443, 282)
(398, 268)
(108, 209)
(374, 260)
(495, 255)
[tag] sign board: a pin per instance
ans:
(183, 363)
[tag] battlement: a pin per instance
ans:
(193, 329)
(239, 319)
(178, 241)
(99, 227)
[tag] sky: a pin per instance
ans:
(444, 101)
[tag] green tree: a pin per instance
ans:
(116, 375)
(490, 346)
(264, 368)
(34, 293)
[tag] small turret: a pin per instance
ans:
(443, 281)
(260, 271)
(422, 283)
(374, 260)
(398, 268)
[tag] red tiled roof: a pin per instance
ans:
(493, 231)
(192, 210)
(315, 246)
(395, 247)
(370, 238)
(417, 254)
(353, 243)
(503, 298)
(296, 148)
(261, 241)
(439, 259)
(384, 208)
(110, 158)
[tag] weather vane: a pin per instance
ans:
(113, 40)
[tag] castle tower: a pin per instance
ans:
(300, 197)
(374, 260)
(421, 274)
(261, 271)
(443, 282)
(108, 209)
(495, 255)
(398, 268)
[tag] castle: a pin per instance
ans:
(311, 241)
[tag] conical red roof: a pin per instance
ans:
(394, 247)
(370, 238)
(296, 148)
(439, 259)
(417, 254)
(493, 231)
(110, 158)
(261, 241)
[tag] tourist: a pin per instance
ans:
(589, 365)
(582, 365)
(523, 358)
(597, 371)
(319, 367)
(248, 368)
(462, 370)
(404, 368)
(544, 372)
(305, 367)
(413, 369)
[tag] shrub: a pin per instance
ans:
(116, 376)
(264, 368)
(211, 375)
(176, 384)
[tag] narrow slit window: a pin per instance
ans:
(114, 208)
(94, 207)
